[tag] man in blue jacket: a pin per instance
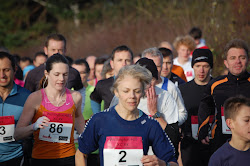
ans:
(12, 99)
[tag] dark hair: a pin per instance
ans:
(166, 52)
(106, 68)
(236, 43)
(196, 33)
(19, 71)
(10, 57)
(40, 53)
(121, 48)
(233, 104)
(100, 60)
(17, 58)
(55, 36)
(56, 58)
(82, 62)
(25, 58)
(70, 60)
(3, 49)
(137, 55)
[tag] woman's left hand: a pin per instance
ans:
(152, 160)
(151, 100)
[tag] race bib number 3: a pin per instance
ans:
(194, 125)
(225, 129)
(59, 129)
(7, 128)
(123, 151)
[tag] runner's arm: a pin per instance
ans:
(24, 127)
(152, 105)
(206, 107)
(79, 120)
(80, 158)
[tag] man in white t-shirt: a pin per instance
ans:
(165, 83)
(184, 45)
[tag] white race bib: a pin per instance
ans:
(123, 151)
(194, 126)
(59, 129)
(189, 75)
(225, 129)
(76, 136)
(7, 128)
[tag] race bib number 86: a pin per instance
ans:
(123, 151)
(59, 129)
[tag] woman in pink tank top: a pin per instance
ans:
(52, 114)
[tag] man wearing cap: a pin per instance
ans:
(218, 90)
(193, 152)
(158, 103)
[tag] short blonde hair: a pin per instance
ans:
(135, 71)
(187, 41)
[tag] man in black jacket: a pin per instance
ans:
(237, 82)
(193, 152)
(55, 43)
(121, 56)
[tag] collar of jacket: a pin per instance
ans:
(243, 76)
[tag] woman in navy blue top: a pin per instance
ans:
(123, 133)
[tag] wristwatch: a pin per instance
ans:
(156, 115)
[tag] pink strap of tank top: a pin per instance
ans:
(49, 106)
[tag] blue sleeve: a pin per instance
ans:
(96, 107)
(88, 140)
(161, 144)
(216, 159)
(214, 162)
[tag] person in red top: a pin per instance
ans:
(196, 33)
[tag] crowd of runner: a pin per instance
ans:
(151, 109)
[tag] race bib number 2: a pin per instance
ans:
(59, 129)
(123, 151)
(7, 128)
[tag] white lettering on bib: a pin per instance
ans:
(225, 129)
(7, 128)
(59, 129)
(123, 151)
(194, 126)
